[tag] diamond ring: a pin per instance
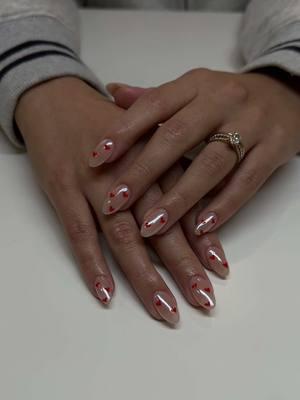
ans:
(233, 139)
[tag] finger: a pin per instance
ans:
(73, 211)
(207, 247)
(125, 95)
(174, 138)
(178, 257)
(130, 252)
(245, 182)
(212, 164)
(152, 108)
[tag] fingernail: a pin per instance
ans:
(206, 223)
(116, 199)
(103, 289)
(203, 292)
(114, 86)
(217, 261)
(166, 307)
(101, 153)
(154, 222)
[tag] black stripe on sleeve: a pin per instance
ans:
(34, 56)
(32, 43)
(295, 49)
(284, 45)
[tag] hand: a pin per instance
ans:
(59, 133)
(263, 109)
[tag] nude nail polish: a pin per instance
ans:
(103, 289)
(154, 222)
(101, 153)
(116, 199)
(217, 261)
(203, 292)
(166, 307)
(206, 223)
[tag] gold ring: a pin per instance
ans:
(233, 139)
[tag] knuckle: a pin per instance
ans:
(213, 161)
(179, 200)
(59, 180)
(251, 178)
(174, 131)
(140, 170)
(154, 100)
(235, 90)
(197, 73)
(79, 231)
(123, 233)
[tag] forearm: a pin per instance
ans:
(270, 35)
(39, 40)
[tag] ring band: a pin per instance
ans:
(233, 139)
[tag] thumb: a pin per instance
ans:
(125, 95)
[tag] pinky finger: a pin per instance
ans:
(245, 182)
(75, 215)
(207, 247)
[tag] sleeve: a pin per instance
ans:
(39, 40)
(270, 35)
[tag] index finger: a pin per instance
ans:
(153, 107)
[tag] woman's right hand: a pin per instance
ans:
(61, 121)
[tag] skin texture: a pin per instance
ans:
(185, 112)
(61, 121)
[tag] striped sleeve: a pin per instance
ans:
(39, 40)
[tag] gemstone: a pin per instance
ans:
(235, 138)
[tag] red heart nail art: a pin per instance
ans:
(162, 220)
(207, 304)
(147, 224)
(111, 209)
(212, 257)
(207, 289)
(158, 303)
(95, 154)
(97, 285)
(107, 147)
(213, 221)
(111, 195)
(225, 264)
(125, 194)
(107, 289)
(194, 286)
(174, 309)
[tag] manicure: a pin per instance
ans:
(166, 307)
(203, 292)
(154, 222)
(116, 199)
(217, 261)
(101, 153)
(206, 223)
(103, 289)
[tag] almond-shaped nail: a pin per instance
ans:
(154, 222)
(203, 292)
(206, 223)
(101, 153)
(166, 307)
(217, 261)
(116, 199)
(103, 289)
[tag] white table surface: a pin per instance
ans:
(56, 342)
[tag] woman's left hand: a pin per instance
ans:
(264, 110)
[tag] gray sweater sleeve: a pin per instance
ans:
(270, 35)
(39, 40)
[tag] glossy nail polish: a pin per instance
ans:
(166, 307)
(206, 223)
(101, 153)
(103, 289)
(203, 292)
(217, 261)
(154, 222)
(116, 199)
